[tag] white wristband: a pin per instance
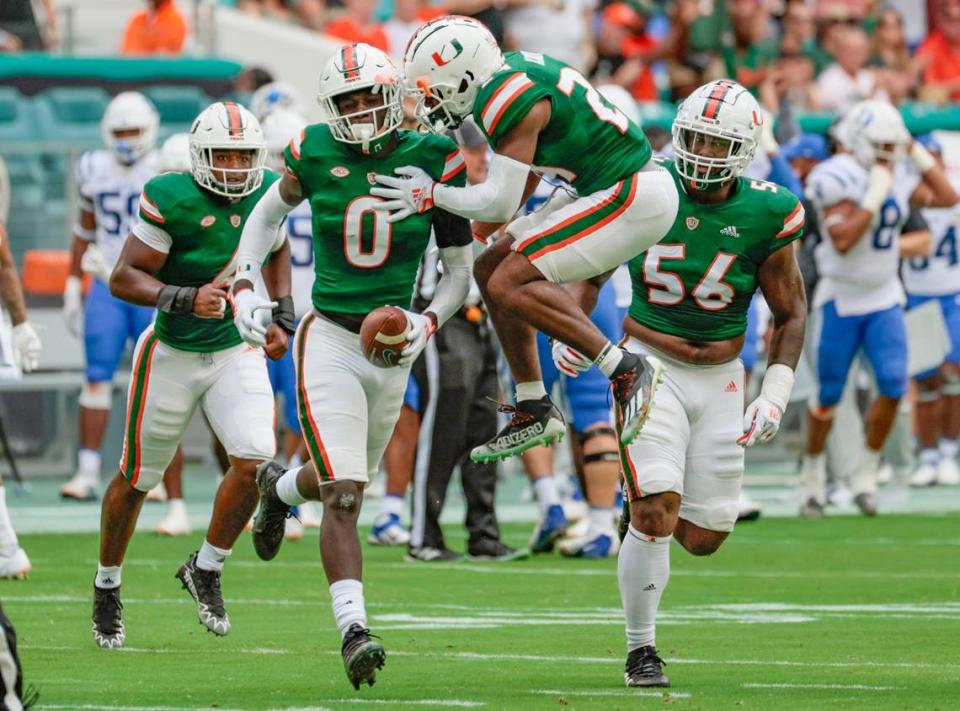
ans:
(878, 188)
(777, 385)
(921, 157)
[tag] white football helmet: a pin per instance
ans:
(446, 63)
(279, 128)
(175, 154)
(226, 126)
(355, 67)
(275, 95)
(725, 110)
(129, 111)
(873, 130)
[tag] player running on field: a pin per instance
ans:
(348, 406)
(542, 118)
(691, 293)
(179, 259)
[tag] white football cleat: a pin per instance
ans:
(292, 528)
(309, 515)
(157, 493)
(924, 475)
(388, 531)
(948, 472)
(80, 488)
(884, 474)
(15, 565)
(176, 522)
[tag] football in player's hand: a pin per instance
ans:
(383, 334)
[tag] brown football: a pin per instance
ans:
(383, 334)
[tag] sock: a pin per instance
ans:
(348, 607)
(391, 504)
(533, 390)
(609, 359)
(211, 558)
(930, 456)
(108, 576)
(545, 489)
(8, 537)
(601, 521)
(813, 477)
(88, 464)
(949, 448)
(176, 506)
(864, 479)
(643, 569)
(287, 488)
(295, 462)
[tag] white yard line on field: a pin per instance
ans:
(102, 707)
(453, 703)
(625, 694)
(854, 687)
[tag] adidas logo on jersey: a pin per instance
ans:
(731, 387)
(729, 231)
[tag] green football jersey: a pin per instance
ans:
(697, 282)
(205, 230)
(588, 142)
(361, 261)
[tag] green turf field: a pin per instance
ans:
(790, 614)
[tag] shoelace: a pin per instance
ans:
(353, 638)
(519, 417)
(645, 664)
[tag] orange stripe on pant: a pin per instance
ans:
(307, 420)
(145, 355)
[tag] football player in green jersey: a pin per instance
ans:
(691, 293)
(178, 259)
(542, 118)
(347, 406)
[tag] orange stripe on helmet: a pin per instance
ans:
(716, 98)
(235, 121)
(351, 65)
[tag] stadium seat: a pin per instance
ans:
(178, 105)
(17, 124)
(71, 114)
(657, 113)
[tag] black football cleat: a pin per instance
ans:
(535, 423)
(271, 518)
(363, 654)
(633, 388)
(108, 629)
(644, 668)
(204, 588)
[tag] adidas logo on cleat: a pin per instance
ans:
(730, 231)
(731, 387)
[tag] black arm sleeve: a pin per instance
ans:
(915, 222)
(451, 230)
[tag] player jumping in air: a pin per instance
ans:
(347, 405)
(542, 118)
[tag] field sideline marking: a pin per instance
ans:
(625, 694)
(855, 687)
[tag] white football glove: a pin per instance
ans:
(421, 329)
(93, 262)
(760, 423)
(251, 315)
(569, 360)
(73, 305)
(26, 345)
(404, 196)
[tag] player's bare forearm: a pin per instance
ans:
(77, 247)
(782, 286)
(520, 142)
(11, 292)
(846, 223)
(132, 279)
(942, 193)
(276, 272)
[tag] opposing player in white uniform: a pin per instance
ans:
(936, 277)
(109, 182)
(862, 196)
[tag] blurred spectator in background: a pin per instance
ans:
(359, 25)
(19, 29)
(251, 78)
(750, 48)
(800, 58)
(625, 50)
(309, 13)
(562, 30)
(408, 15)
(848, 80)
(939, 55)
(161, 28)
(895, 68)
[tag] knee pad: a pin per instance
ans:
(951, 382)
(96, 396)
(928, 396)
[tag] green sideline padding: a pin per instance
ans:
(120, 69)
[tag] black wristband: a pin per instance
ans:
(177, 299)
(284, 315)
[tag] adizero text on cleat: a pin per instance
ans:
(363, 654)
(633, 389)
(535, 423)
(204, 588)
(108, 629)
